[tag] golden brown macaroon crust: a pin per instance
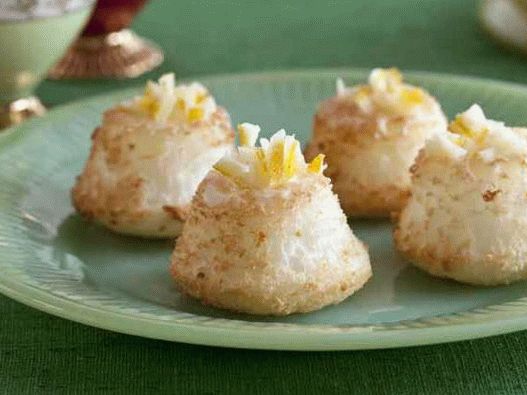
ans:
(365, 202)
(443, 259)
(121, 205)
(257, 300)
(338, 125)
(436, 260)
(242, 300)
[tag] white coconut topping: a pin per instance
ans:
(165, 101)
(471, 133)
(371, 135)
(466, 217)
(277, 160)
(386, 91)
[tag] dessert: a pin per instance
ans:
(148, 157)
(466, 217)
(371, 135)
(266, 234)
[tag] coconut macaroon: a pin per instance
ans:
(266, 234)
(466, 218)
(371, 135)
(148, 157)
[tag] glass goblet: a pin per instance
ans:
(33, 35)
(107, 48)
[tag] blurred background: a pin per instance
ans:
(204, 37)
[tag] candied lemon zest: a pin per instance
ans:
(317, 164)
(459, 127)
(412, 96)
(290, 160)
(484, 138)
(261, 164)
(276, 161)
(385, 88)
(482, 135)
(459, 140)
(470, 126)
(181, 105)
(164, 100)
(224, 169)
(149, 105)
(195, 114)
(273, 163)
(248, 134)
(148, 102)
(200, 97)
(363, 93)
(465, 133)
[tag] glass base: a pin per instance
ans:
(19, 110)
(121, 54)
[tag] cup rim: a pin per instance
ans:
(88, 5)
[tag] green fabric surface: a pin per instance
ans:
(43, 354)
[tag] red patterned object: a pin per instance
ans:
(106, 48)
(112, 15)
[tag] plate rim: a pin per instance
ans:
(470, 324)
(278, 335)
(10, 133)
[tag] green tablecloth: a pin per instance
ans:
(41, 353)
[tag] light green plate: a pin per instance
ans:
(54, 261)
